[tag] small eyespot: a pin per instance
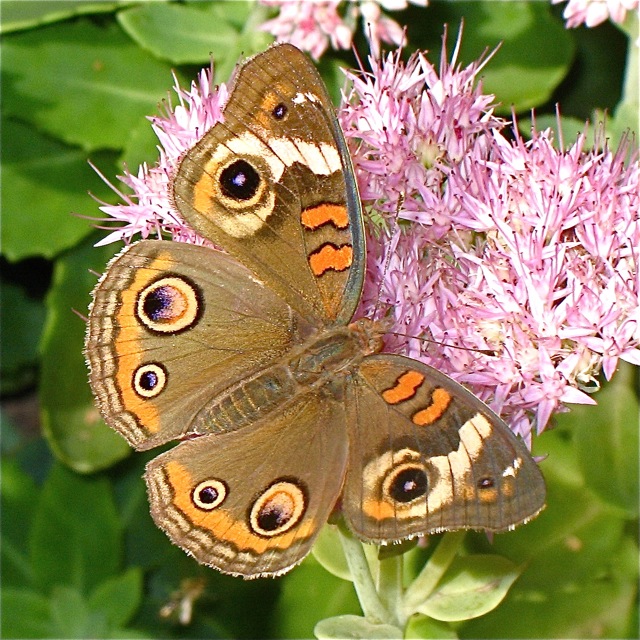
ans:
(278, 509)
(169, 305)
(280, 111)
(239, 181)
(407, 483)
(149, 380)
(209, 494)
(486, 483)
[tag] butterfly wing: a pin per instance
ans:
(428, 456)
(273, 185)
(171, 327)
(251, 502)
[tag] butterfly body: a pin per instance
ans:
(284, 404)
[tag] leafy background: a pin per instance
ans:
(80, 555)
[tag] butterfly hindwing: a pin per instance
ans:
(428, 456)
(251, 502)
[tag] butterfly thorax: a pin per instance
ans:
(322, 363)
(336, 351)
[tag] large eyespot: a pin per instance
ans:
(209, 494)
(406, 483)
(169, 305)
(279, 508)
(149, 380)
(239, 180)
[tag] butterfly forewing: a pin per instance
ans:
(172, 325)
(272, 184)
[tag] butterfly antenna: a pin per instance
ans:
(387, 258)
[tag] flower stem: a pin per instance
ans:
(390, 586)
(433, 571)
(370, 601)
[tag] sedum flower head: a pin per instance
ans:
(591, 13)
(313, 25)
(510, 265)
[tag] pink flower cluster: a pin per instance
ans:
(516, 262)
(311, 25)
(593, 12)
(512, 266)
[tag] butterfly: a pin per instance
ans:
(284, 406)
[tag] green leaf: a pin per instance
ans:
(25, 614)
(71, 421)
(22, 318)
(605, 436)
(423, 628)
(72, 617)
(198, 32)
(535, 51)
(44, 184)
(84, 84)
(118, 598)
(328, 551)
(181, 33)
(18, 14)
(580, 580)
(309, 593)
(354, 627)
(19, 492)
(472, 586)
(75, 539)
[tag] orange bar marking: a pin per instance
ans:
(322, 214)
(330, 257)
(404, 388)
(440, 400)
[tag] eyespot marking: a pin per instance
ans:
(280, 111)
(209, 494)
(404, 388)
(406, 483)
(278, 509)
(169, 305)
(328, 256)
(440, 401)
(239, 180)
(149, 380)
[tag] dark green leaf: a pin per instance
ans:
(25, 614)
(535, 51)
(198, 32)
(22, 318)
(118, 598)
(19, 494)
(18, 14)
(72, 617)
(71, 421)
(44, 184)
(84, 84)
(606, 438)
(579, 580)
(310, 594)
(75, 539)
